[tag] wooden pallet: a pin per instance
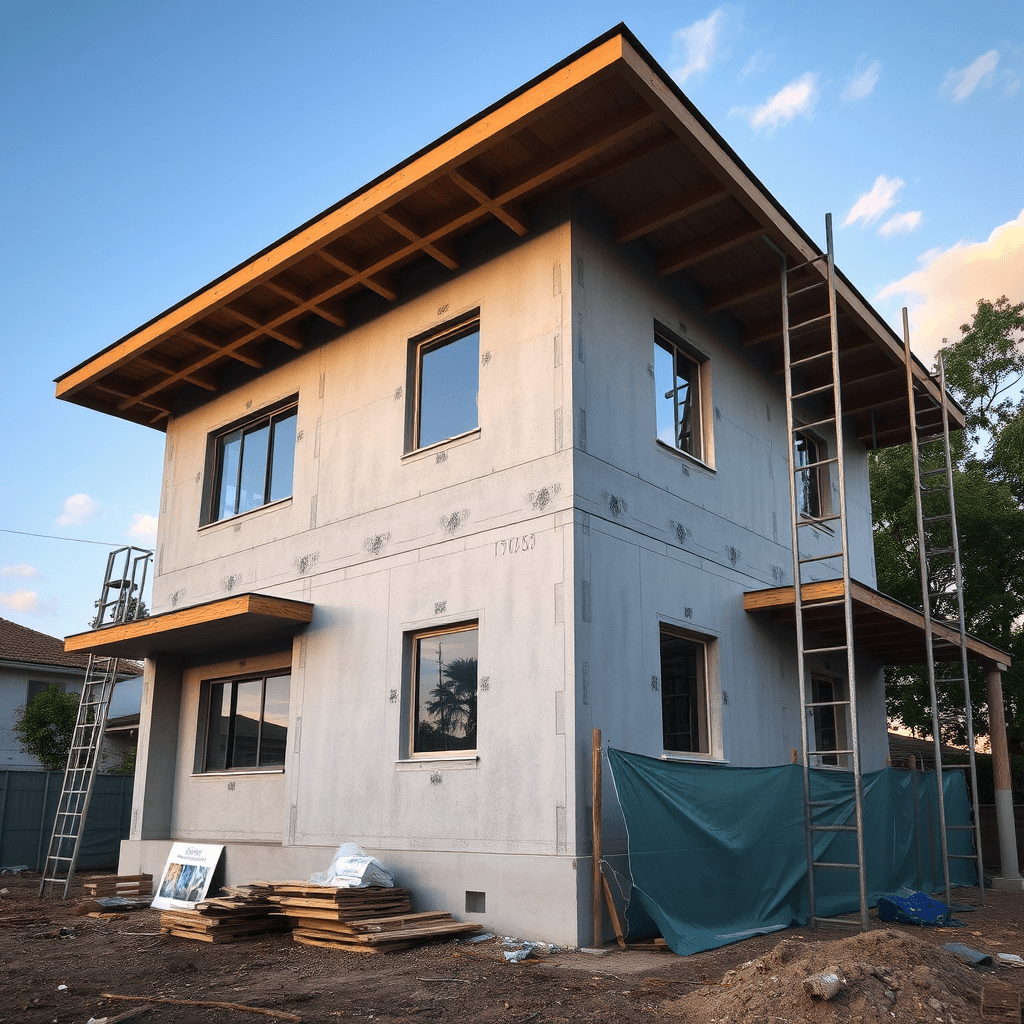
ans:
(119, 885)
(1000, 1002)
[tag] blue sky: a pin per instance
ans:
(150, 147)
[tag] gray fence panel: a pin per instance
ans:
(28, 806)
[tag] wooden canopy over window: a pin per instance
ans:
(608, 122)
(887, 629)
(228, 622)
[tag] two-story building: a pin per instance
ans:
(482, 457)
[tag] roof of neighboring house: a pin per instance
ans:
(901, 747)
(607, 122)
(19, 643)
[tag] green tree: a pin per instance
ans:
(984, 371)
(45, 726)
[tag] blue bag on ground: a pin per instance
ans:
(909, 907)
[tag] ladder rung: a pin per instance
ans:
(821, 558)
(959, 828)
(824, 650)
(961, 856)
(836, 864)
(826, 704)
(933, 472)
(937, 551)
(806, 288)
(814, 423)
(834, 828)
(815, 520)
(831, 602)
(808, 323)
(814, 465)
(828, 753)
(807, 263)
(813, 391)
(811, 358)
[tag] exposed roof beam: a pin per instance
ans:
(272, 325)
(442, 251)
(693, 199)
(477, 187)
(341, 260)
(202, 335)
(125, 392)
(334, 311)
(706, 246)
(205, 379)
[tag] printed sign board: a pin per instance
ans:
(186, 878)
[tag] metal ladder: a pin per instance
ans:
(805, 517)
(120, 601)
(942, 594)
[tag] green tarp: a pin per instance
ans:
(719, 853)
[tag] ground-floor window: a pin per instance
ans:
(826, 723)
(684, 700)
(247, 722)
(443, 689)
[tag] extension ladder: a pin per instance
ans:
(942, 595)
(821, 401)
(120, 601)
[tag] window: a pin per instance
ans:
(811, 477)
(247, 722)
(443, 677)
(35, 688)
(447, 384)
(826, 730)
(684, 712)
(254, 464)
(677, 384)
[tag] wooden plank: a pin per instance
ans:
(613, 913)
(706, 246)
(693, 199)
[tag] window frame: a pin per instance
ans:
(820, 476)
(420, 345)
(701, 406)
(412, 692)
(836, 761)
(270, 416)
(202, 758)
(705, 645)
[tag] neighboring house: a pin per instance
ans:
(30, 662)
(490, 453)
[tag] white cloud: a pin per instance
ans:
(143, 527)
(860, 85)
(789, 102)
(964, 81)
(27, 602)
(942, 294)
(78, 509)
(871, 205)
(758, 62)
(901, 224)
(28, 572)
(696, 46)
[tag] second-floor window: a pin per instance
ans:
(254, 464)
(447, 384)
(809, 454)
(678, 398)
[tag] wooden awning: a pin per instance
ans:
(608, 123)
(227, 622)
(893, 632)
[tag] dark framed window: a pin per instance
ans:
(254, 463)
(678, 400)
(446, 386)
(684, 715)
(246, 722)
(826, 730)
(809, 453)
(443, 689)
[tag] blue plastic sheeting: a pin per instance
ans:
(718, 853)
(909, 907)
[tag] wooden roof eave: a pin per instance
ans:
(617, 53)
(901, 620)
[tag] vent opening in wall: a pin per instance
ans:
(476, 902)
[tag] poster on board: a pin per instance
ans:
(187, 875)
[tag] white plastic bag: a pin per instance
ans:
(352, 868)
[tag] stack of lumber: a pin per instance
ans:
(304, 900)
(119, 885)
(380, 934)
(222, 919)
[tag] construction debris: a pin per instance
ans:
(119, 885)
(223, 919)
(380, 934)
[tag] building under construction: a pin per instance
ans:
(515, 442)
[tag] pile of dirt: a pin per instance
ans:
(883, 975)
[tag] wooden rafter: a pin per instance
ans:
(477, 187)
(693, 199)
(706, 246)
(441, 250)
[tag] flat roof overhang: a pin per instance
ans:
(892, 632)
(608, 122)
(229, 621)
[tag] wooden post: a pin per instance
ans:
(596, 833)
(1009, 869)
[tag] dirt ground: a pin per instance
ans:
(893, 972)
